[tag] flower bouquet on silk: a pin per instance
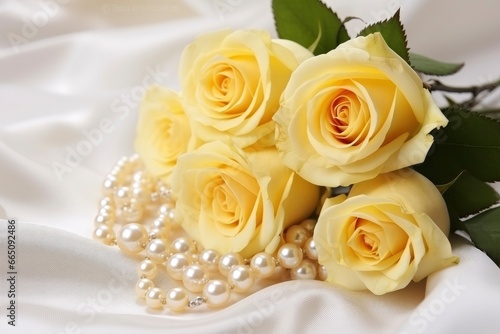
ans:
(317, 155)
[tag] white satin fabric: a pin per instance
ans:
(71, 75)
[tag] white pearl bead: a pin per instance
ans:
(140, 194)
(309, 225)
(305, 270)
(122, 162)
(310, 249)
(147, 268)
(241, 278)
(194, 277)
(117, 171)
(104, 234)
(132, 211)
(101, 219)
(107, 210)
(229, 260)
(217, 293)
(289, 255)
(143, 286)
(122, 196)
(183, 245)
(263, 265)
(107, 201)
(167, 209)
(157, 250)
(209, 258)
(109, 185)
(176, 264)
(177, 299)
(155, 298)
(163, 190)
(143, 179)
(296, 234)
(163, 222)
(322, 273)
(132, 238)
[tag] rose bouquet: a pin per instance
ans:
(315, 155)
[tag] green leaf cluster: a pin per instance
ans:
(463, 160)
(465, 156)
(312, 24)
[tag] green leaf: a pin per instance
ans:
(466, 151)
(394, 35)
(309, 22)
(468, 195)
(431, 66)
(444, 187)
(469, 142)
(484, 230)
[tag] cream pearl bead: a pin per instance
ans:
(117, 171)
(322, 273)
(310, 249)
(147, 268)
(143, 286)
(104, 234)
(229, 260)
(183, 245)
(217, 293)
(176, 264)
(132, 238)
(209, 258)
(122, 196)
(241, 278)
(132, 212)
(157, 250)
(143, 177)
(167, 209)
(263, 265)
(107, 201)
(296, 234)
(289, 255)
(140, 194)
(109, 185)
(164, 222)
(123, 162)
(101, 219)
(305, 270)
(194, 277)
(309, 225)
(156, 298)
(107, 210)
(177, 299)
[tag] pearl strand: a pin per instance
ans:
(135, 200)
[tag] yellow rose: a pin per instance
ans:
(353, 113)
(163, 131)
(232, 82)
(236, 201)
(386, 232)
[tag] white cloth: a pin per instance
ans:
(71, 76)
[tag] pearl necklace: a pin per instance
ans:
(133, 198)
